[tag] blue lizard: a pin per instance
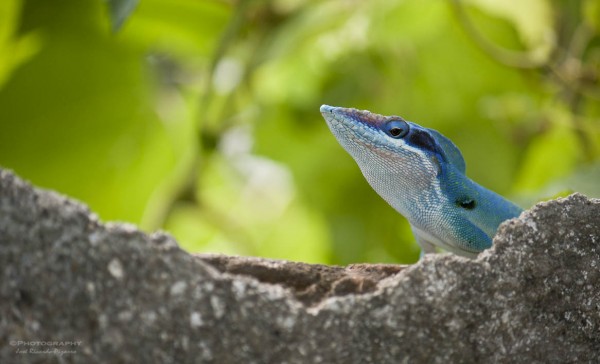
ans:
(421, 174)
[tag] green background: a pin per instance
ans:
(202, 117)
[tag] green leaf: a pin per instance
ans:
(533, 20)
(186, 29)
(120, 10)
(591, 13)
(550, 156)
(14, 50)
(83, 103)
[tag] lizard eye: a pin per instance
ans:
(396, 128)
(466, 203)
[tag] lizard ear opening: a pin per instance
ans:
(466, 203)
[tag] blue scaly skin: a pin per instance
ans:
(421, 174)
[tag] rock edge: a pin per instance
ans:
(116, 294)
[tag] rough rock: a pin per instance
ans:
(75, 290)
(309, 283)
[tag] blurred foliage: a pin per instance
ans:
(120, 11)
(202, 117)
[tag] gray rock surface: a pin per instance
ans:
(75, 290)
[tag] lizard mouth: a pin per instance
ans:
(358, 130)
(350, 124)
(364, 117)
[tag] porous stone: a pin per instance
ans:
(75, 290)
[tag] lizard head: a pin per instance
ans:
(404, 162)
(384, 146)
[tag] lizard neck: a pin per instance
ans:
(489, 209)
